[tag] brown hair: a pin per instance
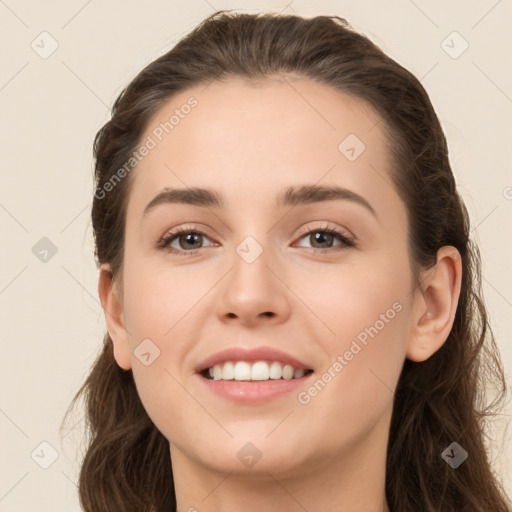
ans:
(127, 462)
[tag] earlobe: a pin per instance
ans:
(435, 305)
(114, 316)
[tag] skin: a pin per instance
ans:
(248, 141)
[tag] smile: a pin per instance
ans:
(254, 371)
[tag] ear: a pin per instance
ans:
(435, 305)
(111, 301)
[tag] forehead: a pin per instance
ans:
(250, 137)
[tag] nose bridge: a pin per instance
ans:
(251, 276)
(251, 289)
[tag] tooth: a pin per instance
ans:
(297, 374)
(228, 372)
(288, 372)
(217, 372)
(259, 371)
(242, 371)
(276, 370)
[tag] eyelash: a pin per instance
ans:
(166, 240)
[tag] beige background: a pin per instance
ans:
(51, 322)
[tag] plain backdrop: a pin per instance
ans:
(51, 106)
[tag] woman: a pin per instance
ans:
(321, 343)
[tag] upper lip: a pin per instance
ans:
(250, 355)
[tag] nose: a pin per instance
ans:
(253, 293)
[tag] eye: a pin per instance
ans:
(187, 240)
(323, 239)
(182, 241)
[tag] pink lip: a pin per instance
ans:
(251, 392)
(251, 355)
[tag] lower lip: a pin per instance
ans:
(254, 391)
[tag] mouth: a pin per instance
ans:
(254, 371)
(253, 375)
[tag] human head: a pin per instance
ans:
(327, 51)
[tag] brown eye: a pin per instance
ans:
(326, 238)
(189, 240)
(182, 241)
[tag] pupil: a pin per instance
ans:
(188, 236)
(319, 236)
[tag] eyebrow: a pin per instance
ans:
(292, 196)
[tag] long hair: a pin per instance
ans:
(442, 400)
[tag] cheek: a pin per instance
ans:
(157, 311)
(168, 403)
(162, 305)
(365, 315)
(362, 300)
(159, 301)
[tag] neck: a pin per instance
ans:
(353, 481)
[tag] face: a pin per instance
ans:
(315, 285)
